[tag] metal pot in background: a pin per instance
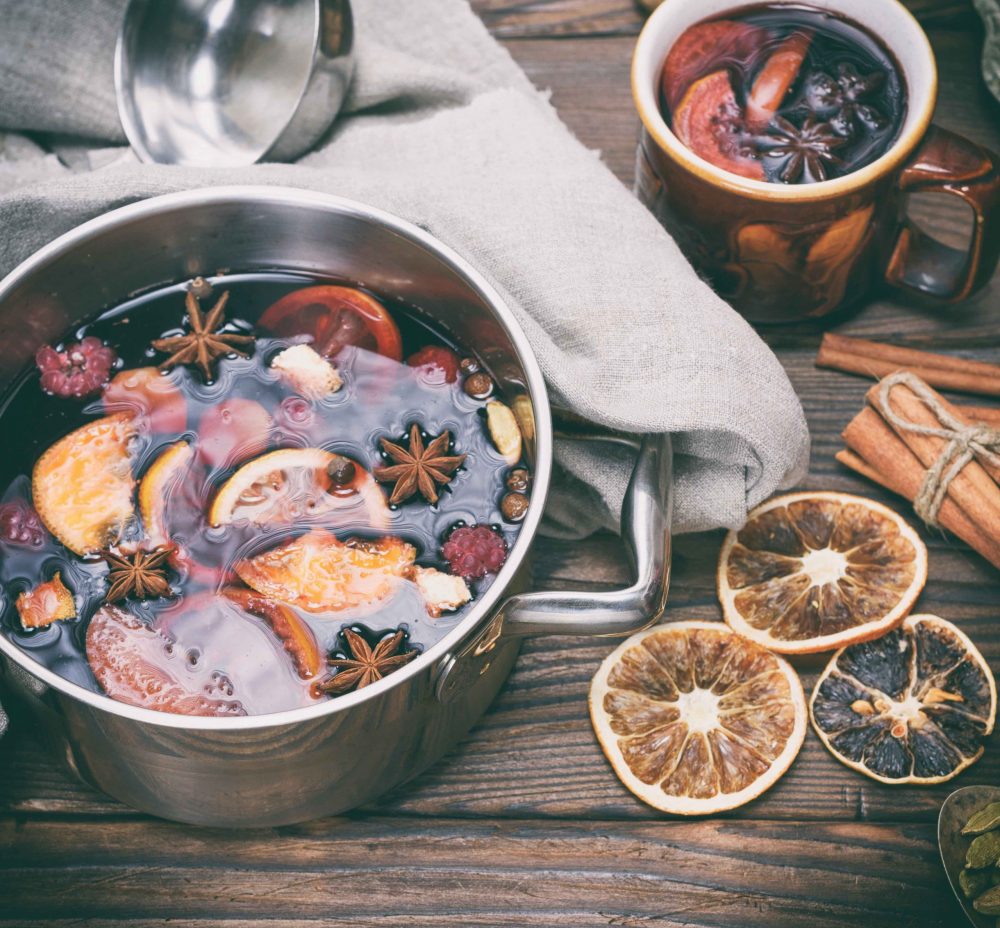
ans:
(219, 83)
(327, 758)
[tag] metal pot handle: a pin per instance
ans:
(646, 534)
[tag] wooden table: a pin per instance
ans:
(525, 823)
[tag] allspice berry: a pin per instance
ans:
(479, 385)
(200, 288)
(518, 479)
(514, 506)
(341, 471)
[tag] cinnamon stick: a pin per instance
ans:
(876, 452)
(875, 359)
(984, 415)
(972, 489)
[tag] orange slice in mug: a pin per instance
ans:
(320, 573)
(295, 485)
(82, 486)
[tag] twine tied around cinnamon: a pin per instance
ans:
(963, 442)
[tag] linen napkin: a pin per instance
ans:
(443, 128)
(989, 10)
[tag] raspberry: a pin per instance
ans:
(80, 370)
(473, 551)
(20, 525)
(438, 365)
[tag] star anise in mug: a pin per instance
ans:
(206, 341)
(366, 665)
(141, 574)
(418, 468)
(840, 100)
(804, 152)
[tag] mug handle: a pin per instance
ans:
(646, 513)
(919, 263)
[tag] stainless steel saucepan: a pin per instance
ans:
(327, 758)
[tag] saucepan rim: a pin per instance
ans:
(79, 236)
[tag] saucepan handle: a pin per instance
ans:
(646, 535)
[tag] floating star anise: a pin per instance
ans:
(839, 100)
(141, 575)
(418, 468)
(205, 342)
(366, 665)
(803, 151)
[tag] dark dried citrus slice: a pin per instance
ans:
(817, 571)
(914, 706)
(696, 719)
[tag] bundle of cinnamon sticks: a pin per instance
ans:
(907, 426)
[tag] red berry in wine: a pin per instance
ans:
(473, 551)
(80, 370)
(20, 525)
(437, 364)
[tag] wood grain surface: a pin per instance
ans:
(524, 823)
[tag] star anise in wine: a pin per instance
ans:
(804, 152)
(840, 99)
(366, 665)
(205, 343)
(141, 574)
(419, 467)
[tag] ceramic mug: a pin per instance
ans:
(781, 252)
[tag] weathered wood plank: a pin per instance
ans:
(363, 870)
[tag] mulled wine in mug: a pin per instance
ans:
(778, 144)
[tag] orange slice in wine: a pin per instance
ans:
(320, 573)
(82, 486)
(160, 480)
(708, 120)
(47, 603)
(294, 485)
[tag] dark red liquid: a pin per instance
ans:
(783, 93)
(242, 659)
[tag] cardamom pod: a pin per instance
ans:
(984, 820)
(984, 851)
(989, 902)
(976, 882)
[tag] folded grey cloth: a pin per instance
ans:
(444, 129)
(989, 10)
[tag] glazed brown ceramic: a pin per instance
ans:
(780, 253)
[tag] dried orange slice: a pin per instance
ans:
(696, 719)
(159, 481)
(914, 706)
(320, 573)
(817, 571)
(47, 603)
(294, 485)
(82, 486)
